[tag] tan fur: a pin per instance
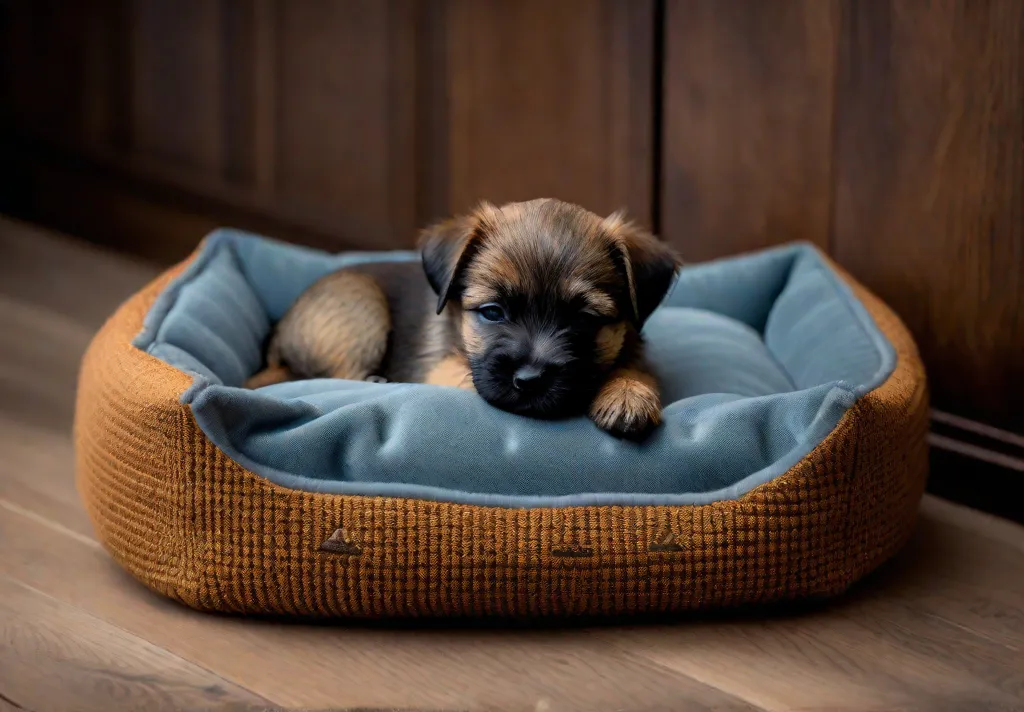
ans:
(477, 294)
(471, 341)
(338, 328)
(270, 376)
(609, 342)
(495, 267)
(628, 402)
(502, 253)
(452, 370)
(597, 301)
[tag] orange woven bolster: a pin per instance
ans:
(192, 524)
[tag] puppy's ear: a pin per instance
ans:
(447, 247)
(649, 264)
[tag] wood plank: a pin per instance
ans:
(54, 657)
(63, 98)
(344, 150)
(940, 627)
(311, 666)
(65, 276)
(749, 89)
(37, 474)
(54, 294)
(178, 78)
(545, 99)
(251, 115)
(930, 187)
(41, 343)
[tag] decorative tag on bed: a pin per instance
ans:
(341, 543)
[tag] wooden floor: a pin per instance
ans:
(940, 628)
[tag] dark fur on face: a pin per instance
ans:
(552, 298)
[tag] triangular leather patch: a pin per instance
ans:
(341, 543)
(565, 549)
(667, 543)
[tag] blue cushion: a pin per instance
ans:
(758, 357)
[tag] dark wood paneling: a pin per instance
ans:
(749, 88)
(344, 140)
(546, 99)
(52, 51)
(92, 203)
(930, 186)
(177, 83)
(353, 122)
(299, 117)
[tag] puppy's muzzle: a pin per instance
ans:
(533, 377)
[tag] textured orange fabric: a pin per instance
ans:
(192, 524)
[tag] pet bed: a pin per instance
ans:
(790, 463)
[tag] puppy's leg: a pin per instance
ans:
(628, 403)
(452, 370)
(269, 376)
(338, 328)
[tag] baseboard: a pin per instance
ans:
(977, 464)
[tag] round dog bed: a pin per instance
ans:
(790, 463)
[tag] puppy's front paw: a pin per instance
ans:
(628, 404)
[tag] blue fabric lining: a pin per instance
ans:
(758, 357)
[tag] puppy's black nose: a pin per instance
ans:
(527, 377)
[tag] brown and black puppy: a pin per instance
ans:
(537, 306)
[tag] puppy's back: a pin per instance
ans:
(376, 319)
(419, 337)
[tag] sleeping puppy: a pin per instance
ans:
(537, 306)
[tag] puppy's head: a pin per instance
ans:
(550, 294)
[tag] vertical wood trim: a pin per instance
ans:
(838, 28)
(657, 118)
(265, 109)
(178, 99)
(217, 148)
(433, 169)
(97, 73)
(748, 124)
(459, 79)
(402, 119)
(122, 53)
(249, 57)
(629, 33)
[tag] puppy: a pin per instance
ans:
(538, 306)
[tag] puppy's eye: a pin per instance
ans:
(491, 313)
(589, 316)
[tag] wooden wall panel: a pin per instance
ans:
(344, 124)
(54, 65)
(177, 83)
(748, 101)
(345, 146)
(545, 99)
(930, 186)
